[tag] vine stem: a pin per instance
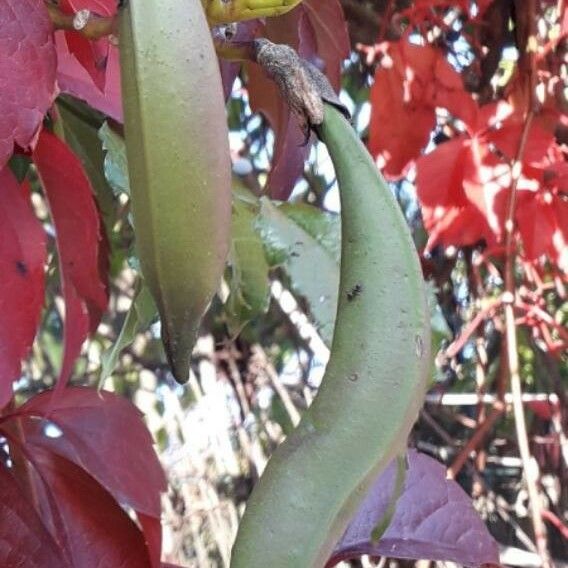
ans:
(530, 469)
(91, 26)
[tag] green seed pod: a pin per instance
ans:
(178, 162)
(374, 383)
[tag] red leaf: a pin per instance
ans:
(449, 217)
(25, 542)
(433, 519)
(104, 434)
(22, 259)
(92, 55)
(152, 528)
(27, 72)
(97, 531)
(75, 80)
(78, 228)
(464, 186)
(410, 83)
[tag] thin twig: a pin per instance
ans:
(277, 385)
(476, 439)
(457, 345)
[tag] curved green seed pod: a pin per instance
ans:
(178, 162)
(374, 383)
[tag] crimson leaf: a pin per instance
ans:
(79, 238)
(22, 258)
(27, 72)
(24, 540)
(96, 531)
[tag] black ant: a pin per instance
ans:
(354, 292)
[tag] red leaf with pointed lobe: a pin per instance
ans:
(409, 84)
(24, 540)
(75, 80)
(97, 532)
(433, 519)
(78, 229)
(104, 434)
(22, 260)
(27, 72)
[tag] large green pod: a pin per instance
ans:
(374, 383)
(178, 162)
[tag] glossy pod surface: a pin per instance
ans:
(178, 162)
(373, 386)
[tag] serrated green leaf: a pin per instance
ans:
(313, 269)
(140, 315)
(115, 164)
(323, 226)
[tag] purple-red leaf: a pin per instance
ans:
(316, 29)
(78, 229)
(24, 540)
(97, 532)
(331, 35)
(27, 72)
(104, 434)
(22, 258)
(433, 520)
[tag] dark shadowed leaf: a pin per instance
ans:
(80, 127)
(27, 72)
(104, 434)
(433, 520)
(79, 241)
(24, 540)
(22, 259)
(96, 530)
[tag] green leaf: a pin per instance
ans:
(311, 265)
(323, 226)
(141, 313)
(249, 283)
(115, 164)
